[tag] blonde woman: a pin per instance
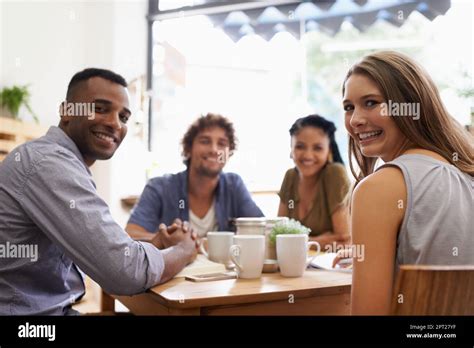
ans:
(416, 208)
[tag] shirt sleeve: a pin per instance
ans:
(60, 198)
(245, 203)
(337, 186)
(147, 213)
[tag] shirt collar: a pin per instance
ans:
(183, 178)
(58, 136)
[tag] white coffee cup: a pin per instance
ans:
(292, 253)
(248, 253)
(218, 245)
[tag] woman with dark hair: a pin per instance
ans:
(314, 192)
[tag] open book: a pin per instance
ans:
(324, 261)
(201, 265)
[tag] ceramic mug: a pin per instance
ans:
(248, 254)
(292, 253)
(218, 244)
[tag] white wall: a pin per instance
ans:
(43, 47)
(43, 43)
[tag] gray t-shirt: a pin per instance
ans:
(52, 222)
(438, 227)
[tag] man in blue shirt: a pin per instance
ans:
(53, 224)
(202, 194)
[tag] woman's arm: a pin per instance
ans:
(378, 207)
(282, 209)
(340, 221)
(340, 234)
(337, 186)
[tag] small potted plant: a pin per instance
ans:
(12, 99)
(290, 226)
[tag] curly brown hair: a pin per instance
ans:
(204, 122)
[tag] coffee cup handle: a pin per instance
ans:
(234, 250)
(201, 248)
(318, 250)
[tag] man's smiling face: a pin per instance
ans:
(99, 137)
(209, 151)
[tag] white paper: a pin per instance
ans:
(324, 261)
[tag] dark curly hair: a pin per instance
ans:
(204, 122)
(326, 126)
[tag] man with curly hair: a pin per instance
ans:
(202, 194)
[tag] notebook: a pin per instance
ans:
(201, 265)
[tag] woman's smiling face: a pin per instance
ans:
(375, 134)
(310, 150)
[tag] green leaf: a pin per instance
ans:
(12, 99)
(290, 226)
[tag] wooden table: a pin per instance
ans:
(318, 292)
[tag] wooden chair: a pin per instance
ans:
(434, 290)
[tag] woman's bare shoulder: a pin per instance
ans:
(385, 183)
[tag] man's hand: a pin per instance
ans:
(172, 235)
(190, 245)
(185, 228)
(183, 252)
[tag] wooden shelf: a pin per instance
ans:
(130, 201)
(14, 133)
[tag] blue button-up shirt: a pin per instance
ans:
(51, 219)
(165, 198)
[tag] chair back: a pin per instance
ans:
(434, 290)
